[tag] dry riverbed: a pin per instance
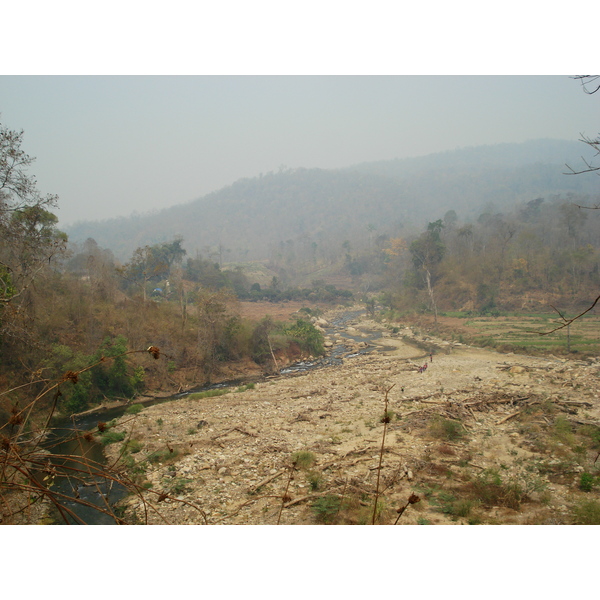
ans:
(478, 437)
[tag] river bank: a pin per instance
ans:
(474, 422)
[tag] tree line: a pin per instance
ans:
(73, 309)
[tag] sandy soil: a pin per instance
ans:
(518, 432)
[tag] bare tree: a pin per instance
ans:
(590, 85)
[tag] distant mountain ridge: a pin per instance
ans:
(317, 210)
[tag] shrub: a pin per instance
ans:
(316, 480)
(446, 429)
(326, 508)
(307, 335)
(161, 456)
(134, 409)
(303, 459)
(587, 512)
(111, 437)
(586, 482)
(179, 485)
(489, 489)
(133, 446)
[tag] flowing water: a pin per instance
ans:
(71, 450)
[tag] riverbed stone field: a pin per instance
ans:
(476, 437)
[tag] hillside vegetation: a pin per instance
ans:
(306, 215)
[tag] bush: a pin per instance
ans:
(133, 446)
(326, 508)
(134, 409)
(490, 490)
(446, 429)
(307, 335)
(586, 482)
(587, 512)
(111, 437)
(303, 459)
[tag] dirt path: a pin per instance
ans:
(480, 437)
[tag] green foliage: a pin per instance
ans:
(7, 289)
(446, 429)
(326, 508)
(179, 485)
(449, 504)
(207, 394)
(243, 388)
(134, 409)
(307, 335)
(303, 459)
(587, 512)
(110, 377)
(110, 436)
(586, 482)
(315, 480)
(490, 490)
(133, 446)
(563, 431)
(153, 263)
(205, 272)
(260, 343)
(161, 456)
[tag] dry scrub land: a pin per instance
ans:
(480, 437)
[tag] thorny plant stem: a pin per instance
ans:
(285, 497)
(21, 459)
(413, 499)
(385, 422)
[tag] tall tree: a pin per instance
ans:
(29, 238)
(427, 252)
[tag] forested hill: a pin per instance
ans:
(316, 211)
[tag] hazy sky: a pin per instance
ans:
(112, 145)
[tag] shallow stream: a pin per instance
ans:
(94, 488)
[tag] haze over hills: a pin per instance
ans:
(315, 211)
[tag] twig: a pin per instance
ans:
(265, 481)
(248, 433)
(413, 499)
(567, 322)
(508, 417)
(386, 420)
(285, 498)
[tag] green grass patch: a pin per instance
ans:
(303, 459)
(586, 512)
(112, 437)
(208, 394)
(243, 388)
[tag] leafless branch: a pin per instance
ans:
(587, 80)
(566, 322)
